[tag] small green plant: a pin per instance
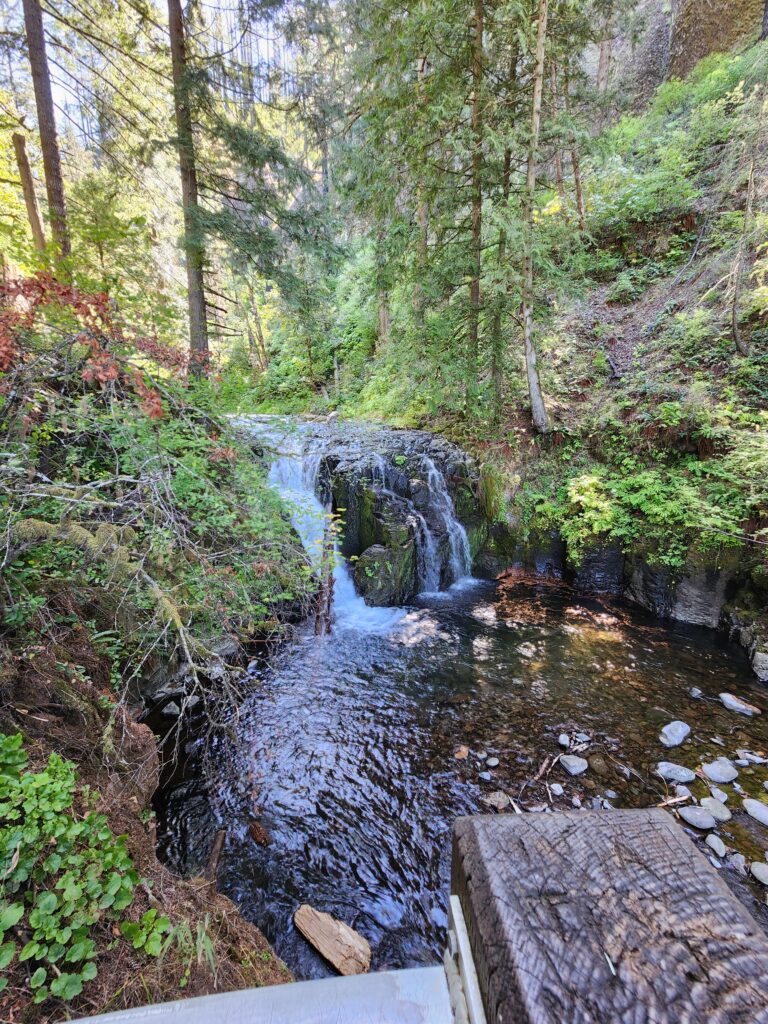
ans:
(63, 874)
(146, 933)
(193, 948)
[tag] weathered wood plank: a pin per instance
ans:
(341, 945)
(600, 917)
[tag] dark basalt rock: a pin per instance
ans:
(386, 576)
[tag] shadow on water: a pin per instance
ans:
(345, 752)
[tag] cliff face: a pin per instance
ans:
(700, 28)
(660, 40)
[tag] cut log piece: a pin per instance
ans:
(596, 918)
(341, 945)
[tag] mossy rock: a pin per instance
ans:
(387, 576)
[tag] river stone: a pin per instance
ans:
(583, 737)
(695, 692)
(557, 789)
(698, 817)
(757, 809)
(718, 794)
(498, 799)
(485, 776)
(674, 772)
(760, 871)
(738, 862)
(461, 753)
(751, 757)
(672, 735)
(737, 704)
(720, 770)
(716, 843)
(718, 811)
(683, 791)
(563, 740)
(573, 765)
(492, 762)
(765, 785)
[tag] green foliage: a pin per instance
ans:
(64, 876)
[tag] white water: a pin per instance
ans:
(294, 475)
(442, 503)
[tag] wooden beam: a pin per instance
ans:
(597, 916)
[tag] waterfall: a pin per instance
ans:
(442, 504)
(428, 556)
(409, 484)
(294, 474)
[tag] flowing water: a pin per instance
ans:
(355, 751)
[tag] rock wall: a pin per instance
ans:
(720, 590)
(701, 27)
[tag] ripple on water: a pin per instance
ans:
(346, 752)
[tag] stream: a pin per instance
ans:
(354, 752)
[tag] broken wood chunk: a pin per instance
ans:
(341, 945)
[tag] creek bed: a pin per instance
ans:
(345, 753)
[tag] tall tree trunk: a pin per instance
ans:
(538, 409)
(497, 369)
(193, 248)
(581, 212)
(559, 179)
(259, 333)
(382, 295)
(28, 188)
(422, 216)
(46, 121)
(477, 199)
(604, 57)
(764, 33)
(384, 318)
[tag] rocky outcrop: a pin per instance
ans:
(699, 29)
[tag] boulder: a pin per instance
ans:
(386, 576)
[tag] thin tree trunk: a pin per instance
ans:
(46, 121)
(581, 212)
(384, 318)
(193, 248)
(604, 58)
(742, 346)
(497, 370)
(422, 216)
(764, 33)
(538, 409)
(477, 199)
(28, 188)
(559, 180)
(496, 340)
(259, 342)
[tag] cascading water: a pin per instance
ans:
(442, 503)
(408, 484)
(294, 473)
(427, 552)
